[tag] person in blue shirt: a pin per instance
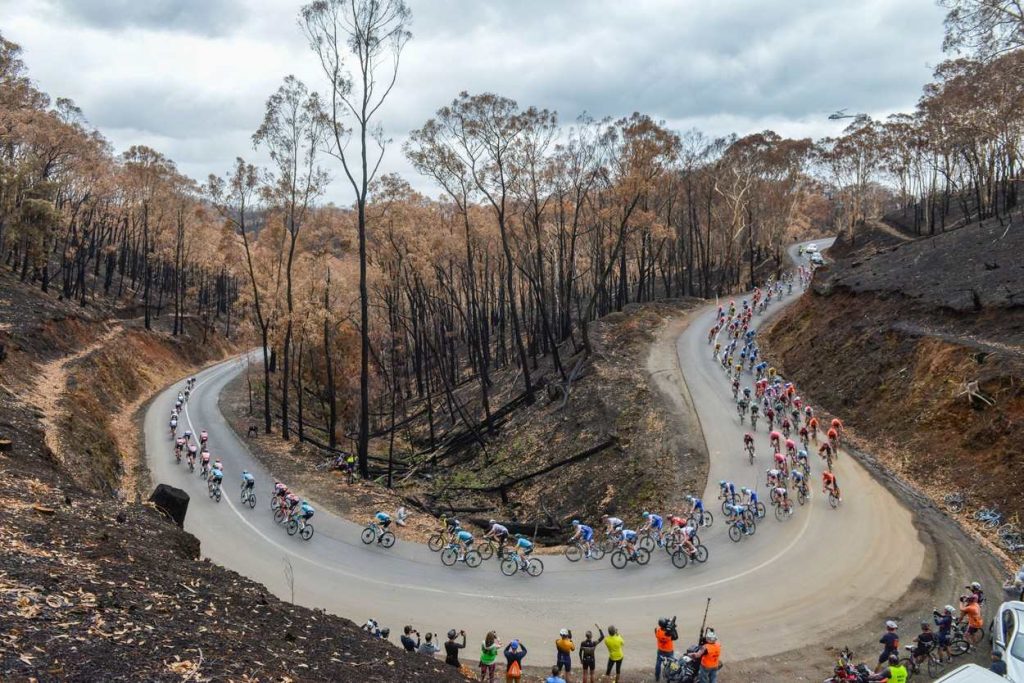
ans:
(524, 547)
(465, 541)
(383, 519)
(248, 482)
(583, 533)
(629, 537)
(304, 513)
(554, 677)
(216, 475)
(654, 523)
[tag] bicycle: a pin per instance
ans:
(512, 564)
(438, 540)
(304, 528)
(177, 456)
(450, 555)
(682, 556)
(783, 512)
(958, 643)
(650, 539)
(191, 463)
(213, 486)
(489, 547)
(750, 452)
(955, 502)
(833, 499)
(990, 518)
(753, 422)
(702, 519)
(577, 550)
(803, 493)
(373, 532)
(248, 496)
(620, 558)
(932, 663)
(740, 527)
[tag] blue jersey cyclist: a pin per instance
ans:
(465, 541)
(304, 513)
(383, 519)
(524, 547)
(216, 475)
(582, 532)
(629, 538)
(248, 482)
(652, 521)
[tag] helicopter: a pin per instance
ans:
(841, 114)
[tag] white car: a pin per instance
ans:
(811, 248)
(1008, 637)
(970, 673)
(817, 259)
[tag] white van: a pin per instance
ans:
(970, 673)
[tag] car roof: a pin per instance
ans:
(970, 673)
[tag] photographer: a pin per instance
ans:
(429, 646)
(408, 643)
(452, 647)
(665, 635)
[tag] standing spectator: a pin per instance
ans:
(488, 655)
(564, 647)
(451, 648)
(971, 612)
(710, 658)
(408, 643)
(514, 653)
(429, 646)
(890, 645)
(614, 644)
(554, 677)
(666, 650)
(588, 654)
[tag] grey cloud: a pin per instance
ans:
(204, 17)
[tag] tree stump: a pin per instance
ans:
(173, 502)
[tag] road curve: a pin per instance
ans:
(789, 585)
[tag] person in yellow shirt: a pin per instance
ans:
(564, 648)
(613, 641)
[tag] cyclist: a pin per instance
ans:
(216, 477)
(686, 533)
(799, 483)
(825, 451)
(217, 464)
(781, 463)
(584, 534)
(774, 438)
(944, 621)
(280, 492)
(383, 520)
(248, 482)
(523, 547)
(833, 437)
(179, 445)
(653, 523)
(791, 448)
(975, 589)
(812, 425)
(205, 468)
(727, 491)
(291, 501)
(805, 435)
(923, 644)
(801, 459)
(463, 539)
(613, 525)
(772, 477)
(696, 509)
(782, 498)
(499, 533)
(971, 613)
(629, 541)
(837, 425)
(203, 436)
(828, 480)
(743, 515)
(304, 513)
(174, 424)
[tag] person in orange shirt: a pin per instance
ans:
(564, 648)
(971, 612)
(666, 650)
(710, 658)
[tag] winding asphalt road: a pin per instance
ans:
(791, 584)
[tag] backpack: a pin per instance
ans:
(514, 669)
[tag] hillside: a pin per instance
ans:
(892, 336)
(89, 583)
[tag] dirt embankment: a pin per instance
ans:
(94, 589)
(620, 442)
(898, 341)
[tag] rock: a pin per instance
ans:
(172, 501)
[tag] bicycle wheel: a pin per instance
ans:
(959, 646)
(647, 543)
(708, 520)
(908, 664)
(486, 551)
(935, 667)
(435, 543)
(619, 559)
(217, 494)
(293, 526)
(244, 496)
(252, 500)
(734, 533)
(509, 566)
(679, 559)
(535, 567)
(597, 552)
(473, 558)
(725, 507)
(800, 497)
(955, 506)
(307, 532)
(607, 545)
(832, 500)
(387, 539)
(642, 556)
(367, 536)
(701, 555)
(449, 556)
(573, 553)
(761, 510)
(275, 503)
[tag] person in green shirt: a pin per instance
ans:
(613, 641)
(488, 654)
(897, 672)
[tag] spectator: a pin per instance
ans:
(564, 647)
(614, 644)
(666, 650)
(890, 645)
(488, 655)
(710, 658)
(998, 666)
(588, 654)
(514, 653)
(451, 648)
(429, 646)
(554, 677)
(971, 612)
(408, 643)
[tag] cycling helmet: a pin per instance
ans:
(949, 609)
(975, 585)
(891, 624)
(689, 498)
(925, 626)
(452, 633)
(646, 514)
(575, 522)
(305, 502)
(564, 633)
(492, 522)
(721, 482)
(894, 659)
(710, 636)
(520, 536)
(663, 622)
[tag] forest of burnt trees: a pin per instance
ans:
(380, 313)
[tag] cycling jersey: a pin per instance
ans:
(586, 532)
(698, 504)
(615, 522)
(216, 474)
(307, 510)
(465, 537)
(382, 517)
(629, 534)
(655, 521)
(248, 480)
(524, 543)
(498, 530)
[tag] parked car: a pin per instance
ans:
(970, 673)
(811, 248)
(817, 260)
(1007, 631)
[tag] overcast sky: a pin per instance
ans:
(190, 77)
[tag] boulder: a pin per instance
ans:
(173, 501)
